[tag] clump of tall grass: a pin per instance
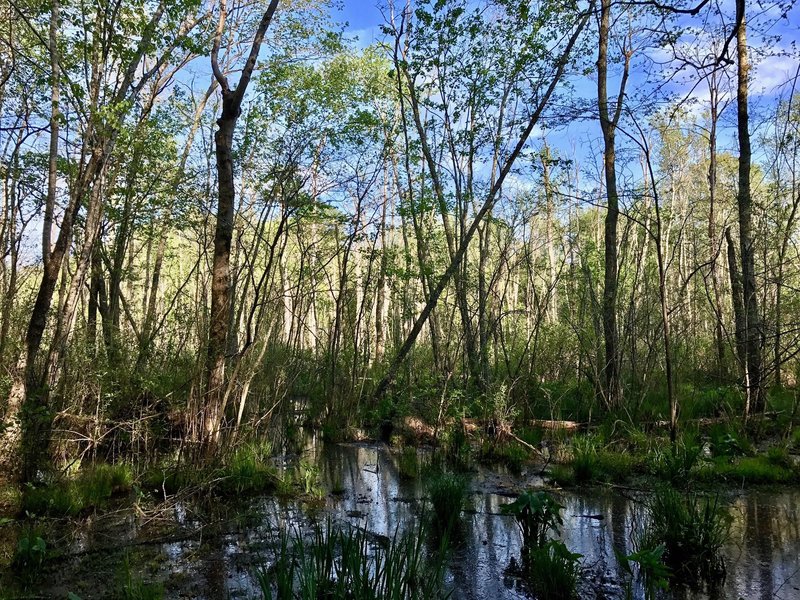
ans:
(770, 468)
(448, 493)
(247, 471)
(692, 530)
(678, 462)
(341, 563)
(584, 458)
(552, 571)
(593, 462)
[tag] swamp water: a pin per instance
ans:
(199, 556)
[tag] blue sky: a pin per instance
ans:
(363, 18)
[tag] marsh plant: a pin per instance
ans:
(448, 493)
(309, 478)
(584, 457)
(692, 530)
(30, 552)
(548, 566)
(677, 463)
(133, 587)
(344, 563)
(92, 488)
(247, 471)
(537, 514)
(646, 563)
(552, 571)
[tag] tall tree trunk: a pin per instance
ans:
(608, 124)
(486, 207)
(753, 334)
(219, 326)
(737, 297)
(552, 297)
(380, 289)
(713, 239)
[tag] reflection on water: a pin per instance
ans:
(217, 561)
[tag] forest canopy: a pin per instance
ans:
(213, 213)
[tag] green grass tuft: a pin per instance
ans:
(93, 488)
(692, 529)
(553, 571)
(761, 469)
(342, 563)
(448, 493)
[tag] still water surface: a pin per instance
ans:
(197, 556)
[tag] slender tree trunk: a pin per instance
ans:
(737, 297)
(753, 334)
(608, 124)
(380, 291)
(552, 300)
(713, 239)
(219, 324)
